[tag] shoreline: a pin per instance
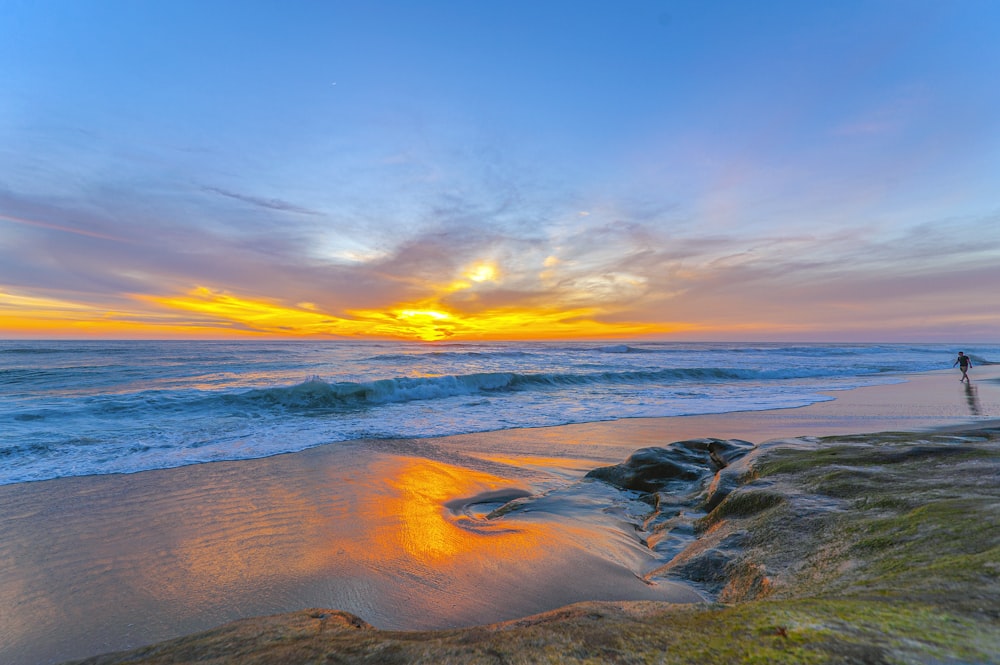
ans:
(922, 401)
(105, 563)
(913, 409)
(842, 549)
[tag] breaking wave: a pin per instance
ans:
(315, 393)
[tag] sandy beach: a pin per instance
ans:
(385, 529)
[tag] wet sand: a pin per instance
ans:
(387, 530)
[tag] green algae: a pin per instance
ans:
(740, 504)
(811, 631)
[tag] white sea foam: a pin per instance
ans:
(78, 408)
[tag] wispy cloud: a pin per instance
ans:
(270, 204)
(62, 228)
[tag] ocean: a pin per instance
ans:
(75, 408)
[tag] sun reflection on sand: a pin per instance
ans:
(432, 534)
(414, 521)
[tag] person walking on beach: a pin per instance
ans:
(964, 363)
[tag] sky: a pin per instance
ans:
(529, 169)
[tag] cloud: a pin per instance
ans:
(834, 285)
(270, 204)
(612, 272)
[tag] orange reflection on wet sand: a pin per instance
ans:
(263, 537)
(438, 535)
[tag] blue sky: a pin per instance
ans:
(689, 170)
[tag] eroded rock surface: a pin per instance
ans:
(678, 467)
(682, 482)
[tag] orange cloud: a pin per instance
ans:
(204, 312)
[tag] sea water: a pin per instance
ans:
(71, 408)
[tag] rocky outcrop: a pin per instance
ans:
(679, 468)
(682, 483)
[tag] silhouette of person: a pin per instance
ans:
(964, 363)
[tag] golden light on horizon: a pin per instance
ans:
(38, 316)
(205, 312)
(427, 313)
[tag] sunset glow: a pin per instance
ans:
(829, 175)
(206, 313)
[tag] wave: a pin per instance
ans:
(317, 394)
(979, 360)
(615, 348)
(36, 351)
(511, 353)
(417, 357)
(16, 347)
(625, 348)
(127, 406)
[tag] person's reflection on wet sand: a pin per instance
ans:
(972, 397)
